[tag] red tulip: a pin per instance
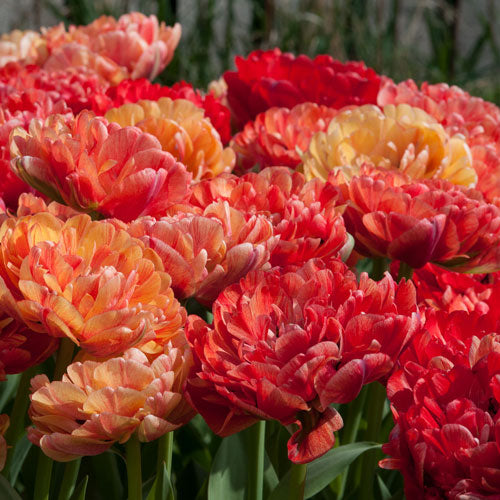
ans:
(420, 222)
(271, 78)
(285, 345)
(446, 439)
(278, 136)
(304, 215)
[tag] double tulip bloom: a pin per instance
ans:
(286, 345)
(97, 404)
(89, 281)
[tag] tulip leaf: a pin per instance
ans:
(81, 489)
(19, 455)
(7, 491)
(162, 487)
(385, 494)
(228, 475)
(324, 470)
(8, 388)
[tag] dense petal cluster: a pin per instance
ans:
(86, 280)
(134, 46)
(445, 404)
(130, 91)
(271, 78)
(96, 166)
(285, 345)
(76, 87)
(100, 403)
(304, 215)
(397, 137)
(452, 291)
(182, 130)
(205, 253)
(419, 222)
(459, 113)
(279, 135)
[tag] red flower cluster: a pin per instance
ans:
(445, 403)
(303, 214)
(285, 345)
(452, 291)
(419, 222)
(272, 78)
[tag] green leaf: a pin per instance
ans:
(162, 487)
(271, 479)
(18, 457)
(228, 475)
(385, 494)
(325, 469)
(7, 491)
(81, 489)
(8, 388)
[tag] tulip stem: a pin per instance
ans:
(375, 408)
(43, 476)
(134, 473)
(298, 474)
(165, 447)
(64, 357)
(70, 476)
(380, 265)
(350, 431)
(19, 409)
(405, 271)
(256, 437)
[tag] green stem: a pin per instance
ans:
(134, 474)
(43, 476)
(297, 482)
(350, 431)
(44, 465)
(405, 271)
(255, 445)
(70, 476)
(21, 403)
(380, 265)
(375, 408)
(64, 357)
(165, 447)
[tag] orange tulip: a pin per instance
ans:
(86, 280)
(459, 113)
(182, 130)
(97, 404)
(96, 166)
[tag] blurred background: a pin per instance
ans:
(456, 41)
